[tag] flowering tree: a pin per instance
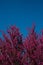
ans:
(15, 51)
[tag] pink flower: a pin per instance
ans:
(16, 51)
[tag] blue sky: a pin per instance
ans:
(22, 13)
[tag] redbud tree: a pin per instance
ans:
(16, 51)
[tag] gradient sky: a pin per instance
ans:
(22, 13)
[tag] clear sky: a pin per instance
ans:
(22, 13)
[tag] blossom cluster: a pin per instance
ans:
(16, 51)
